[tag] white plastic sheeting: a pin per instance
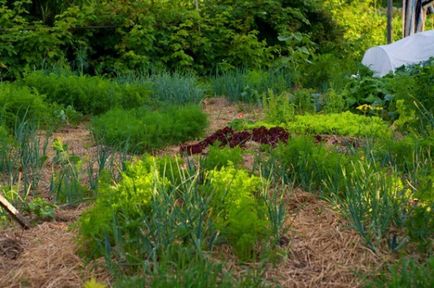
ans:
(410, 50)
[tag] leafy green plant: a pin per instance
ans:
(374, 201)
(305, 163)
(6, 145)
(144, 130)
(345, 123)
(302, 100)
(30, 155)
(278, 108)
(333, 102)
(41, 208)
(238, 213)
(66, 183)
(218, 157)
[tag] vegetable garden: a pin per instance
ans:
(211, 144)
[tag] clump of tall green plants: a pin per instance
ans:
(161, 211)
(248, 86)
(176, 88)
(142, 129)
(65, 183)
(375, 199)
(407, 272)
(19, 103)
(166, 87)
(86, 94)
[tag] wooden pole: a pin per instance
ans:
(13, 212)
(389, 20)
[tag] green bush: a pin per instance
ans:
(6, 144)
(116, 205)
(66, 181)
(89, 95)
(345, 123)
(18, 104)
(141, 129)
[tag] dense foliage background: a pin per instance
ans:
(112, 37)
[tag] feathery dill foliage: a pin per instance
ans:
(89, 95)
(18, 104)
(143, 129)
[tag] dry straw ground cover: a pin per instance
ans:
(323, 251)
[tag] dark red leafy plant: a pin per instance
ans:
(227, 136)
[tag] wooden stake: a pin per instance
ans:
(13, 212)
(389, 20)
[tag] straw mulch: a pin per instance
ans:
(323, 250)
(48, 259)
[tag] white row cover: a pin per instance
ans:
(414, 49)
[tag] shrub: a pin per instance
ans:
(145, 214)
(18, 104)
(333, 102)
(6, 144)
(143, 130)
(116, 205)
(89, 95)
(345, 123)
